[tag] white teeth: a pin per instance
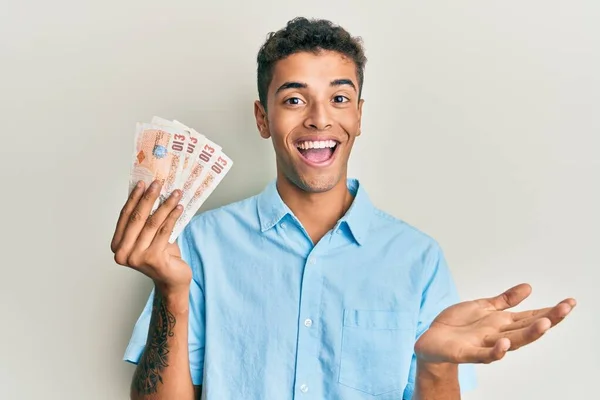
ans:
(321, 144)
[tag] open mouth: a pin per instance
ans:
(317, 152)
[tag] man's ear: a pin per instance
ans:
(262, 122)
(360, 106)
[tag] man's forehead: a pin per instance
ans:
(321, 67)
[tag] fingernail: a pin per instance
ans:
(177, 193)
(179, 207)
(139, 184)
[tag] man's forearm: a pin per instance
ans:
(437, 382)
(163, 372)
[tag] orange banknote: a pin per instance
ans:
(179, 158)
(157, 156)
(215, 173)
(194, 146)
(199, 169)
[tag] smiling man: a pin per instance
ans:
(307, 290)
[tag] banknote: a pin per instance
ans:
(201, 190)
(179, 148)
(179, 157)
(195, 145)
(157, 155)
(199, 169)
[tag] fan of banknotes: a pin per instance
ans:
(179, 158)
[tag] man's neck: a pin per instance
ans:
(318, 212)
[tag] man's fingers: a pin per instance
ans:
(130, 204)
(540, 312)
(527, 315)
(525, 322)
(523, 336)
(555, 314)
(510, 298)
(137, 219)
(485, 355)
(156, 220)
(161, 239)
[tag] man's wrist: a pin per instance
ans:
(176, 300)
(437, 372)
(437, 381)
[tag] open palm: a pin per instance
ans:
(481, 331)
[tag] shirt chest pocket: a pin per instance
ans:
(377, 349)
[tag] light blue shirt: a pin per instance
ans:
(274, 317)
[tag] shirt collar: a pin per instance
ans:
(271, 209)
(359, 215)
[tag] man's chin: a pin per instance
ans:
(318, 184)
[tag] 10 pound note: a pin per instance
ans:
(177, 157)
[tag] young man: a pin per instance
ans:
(307, 290)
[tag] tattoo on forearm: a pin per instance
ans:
(155, 358)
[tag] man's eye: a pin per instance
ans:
(293, 101)
(340, 99)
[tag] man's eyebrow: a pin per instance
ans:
(340, 82)
(301, 85)
(291, 85)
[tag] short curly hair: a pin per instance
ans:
(302, 34)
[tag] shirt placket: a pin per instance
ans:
(308, 385)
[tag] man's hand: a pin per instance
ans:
(141, 240)
(481, 331)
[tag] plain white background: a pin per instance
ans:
(481, 128)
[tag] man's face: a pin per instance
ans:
(313, 118)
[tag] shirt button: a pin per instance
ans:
(313, 261)
(308, 322)
(282, 225)
(304, 388)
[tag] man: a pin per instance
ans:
(307, 290)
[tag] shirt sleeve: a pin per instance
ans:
(439, 292)
(196, 331)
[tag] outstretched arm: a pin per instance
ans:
(478, 331)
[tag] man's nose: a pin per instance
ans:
(318, 117)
